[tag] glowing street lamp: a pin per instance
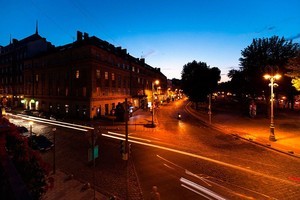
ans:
(272, 79)
(156, 82)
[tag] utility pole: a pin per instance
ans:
(54, 165)
(209, 108)
(125, 156)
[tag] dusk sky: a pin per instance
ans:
(167, 33)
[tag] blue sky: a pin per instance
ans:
(167, 33)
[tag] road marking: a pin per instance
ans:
(204, 158)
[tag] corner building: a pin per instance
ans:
(86, 79)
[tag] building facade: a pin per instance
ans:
(85, 79)
(12, 58)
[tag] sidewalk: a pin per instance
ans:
(257, 130)
(67, 187)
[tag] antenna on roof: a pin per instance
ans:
(36, 27)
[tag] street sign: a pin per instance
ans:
(96, 153)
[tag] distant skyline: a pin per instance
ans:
(167, 33)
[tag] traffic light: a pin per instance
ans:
(122, 147)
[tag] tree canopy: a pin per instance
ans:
(294, 71)
(199, 80)
(267, 55)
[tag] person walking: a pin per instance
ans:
(155, 194)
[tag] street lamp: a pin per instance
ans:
(272, 79)
(156, 82)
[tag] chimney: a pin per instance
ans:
(85, 36)
(79, 36)
(14, 41)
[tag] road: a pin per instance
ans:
(185, 158)
(201, 163)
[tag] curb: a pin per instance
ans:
(216, 127)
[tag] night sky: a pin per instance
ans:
(167, 33)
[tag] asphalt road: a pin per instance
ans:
(186, 159)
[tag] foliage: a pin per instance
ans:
(267, 55)
(294, 71)
(199, 80)
(28, 163)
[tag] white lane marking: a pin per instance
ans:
(201, 189)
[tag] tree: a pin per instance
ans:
(199, 80)
(28, 163)
(294, 71)
(238, 83)
(267, 55)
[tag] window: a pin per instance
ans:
(77, 74)
(37, 78)
(112, 76)
(106, 75)
(98, 73)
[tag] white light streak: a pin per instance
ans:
(201, 188)
(195, 191)
(53, 121)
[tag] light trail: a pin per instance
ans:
(52, 121)
(206, 159)
(195, 191)
(122, 135)
(201, 189)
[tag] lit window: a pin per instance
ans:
(113, 76)
(106, 75)
(36, 77)
(77, 73)
(98, 73)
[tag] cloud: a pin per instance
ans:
(150, 52)
(267, 28)
(294, 37)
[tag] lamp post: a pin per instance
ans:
(30, 128)
(54, 165)
(153, 83)
(209, 108)
(272, 127)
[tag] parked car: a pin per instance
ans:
(23, 131)
(40, 142)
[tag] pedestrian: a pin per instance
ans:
(155, 194)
